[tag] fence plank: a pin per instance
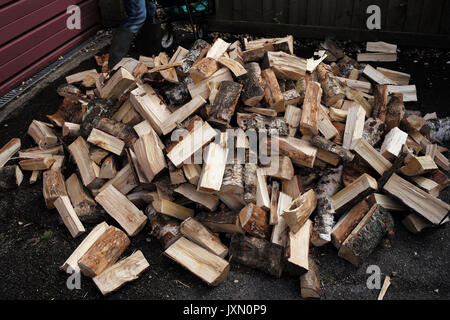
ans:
(431, 16)
(282, 11)
(445, 23)
(268, 10)
(396, 15)
(344, 12)
(297, 11)
(237, 10)
(328, 12)
(313, 13)
(413, 14)
(224, 9)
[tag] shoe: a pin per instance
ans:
(149, 38)
(120, 44)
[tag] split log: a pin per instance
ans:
(211, 178)
(310, 282)
(298, 252)
(379, 110)
(354, 192)
(124, 181)
(11, 177)
(79, 76)
(293, 187)
(127, 114)
(144, 128)
(398, 162)
(106, 141)
(418, 166)
(357, 97)
(169, 73)
(233, 201)
(69, 216)
(163, 228)
(262, 192)
(198, 50)
(122, 210)
(116, 85)
(366, 236)
(203, 87)
(104, 252)
(8, 150)
(255, 221)
(291, 97)
(274, 197)
(439, 177)
(97, 154)
(172, 209)
(196, 232)
(250, 182)
(373, 131)
(387, 202)
(348, 222)
(354, 127)
(280, 168)
(401, 78)
(257, 253)
(326, 127)
(381, 46)
(271, 126)
(363, 86)
(338, 115)
(235, 66)
(428, 185)
(192, 173)
(182, 114)
(71, 264)
(253, 90)
(71, 129)
(201, 135)
(299, 211)
(35, 175)
(108, 169)
(327, 145)
(287, 66)
(149, 156)
(393, 143)
(85, 207)
(80, 153)
(233, 179)
(37, 164)
(377, 57)
(204, 264)
(176, 175)
(34, 153)
(418, 200)
(203, 69)
(280, 230)
(439, 129)
(190, 192)
(262, 111)
(372, 156)
(42, 134)
(54, 187)
(300, 151)
(332, 90)
(225, 222)
(415, 223)
(117, 129)
(292, 116)
(272, 92)
(117, 275)
(377, 76)
(309, 123)
(409, 92)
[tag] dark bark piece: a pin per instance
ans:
(366, 236)
(119, 130)
(225, 103)
(95, 110)
(253, 90)
(273, 126)
(10, 177)
(398, 163)
(373, 131)
(255, 221)
(332, 89)
(227, 222)
(257, 253)
(178, 95)
(164, 228)
(440, 129)
(250, 182)
(198, 50)
(380, 106)
(395, 111)
(327, 145)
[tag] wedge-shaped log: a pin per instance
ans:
(8, 150)
(292, 115)
(104, 252)
(354, 127)
(190, 192)
(280, 168)
(201, 135)
(213, 169)
(54, 187)
(418, 200)
(10, 177)
(172, 209)
(372, 156)
(377, 76)
(418, 166)
(225, 102)
(42, 134)
(206, 265)
(348, 222)
(287, 66)
(366, 236)
(299, 247)
(80, 153)
(393, 143)
(326, 127)
(235, 66)
(192, 172)
(310, 281)
(124, 181)
(149, 156)
(356, 191)
(84, 206)
(280, 229)
(300, 151)
(272, 92)
(255, 221)
(145, 100)
(257, 253)
(253, 90)
(131, 219)
(262, 192)
(203, 69)
(198, 233)
(116, 85)
(71, 264)
(106, 141)
(182, 114)
(332, 89)
(309, 122)
(124, 271)
(69, 216)
(37, 164)
(299, 211)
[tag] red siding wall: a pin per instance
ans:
(33, 34)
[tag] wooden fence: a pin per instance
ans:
(411, 22)
(33, 34)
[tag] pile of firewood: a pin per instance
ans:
(348, 155)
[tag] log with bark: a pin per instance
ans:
(11, 177)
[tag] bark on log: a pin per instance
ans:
(327, 145)
(310, 281)
(226, 222)
(255, 221)
(163, 228)
(373, 131)
(250, 182)
(253, 90)
(273, 126)
(198, 50)
(381, 99)
(119, 130)
(95, 110)
(233, 179)
(440, 129)
(395, 111)
(332, 89)
(225, 103)
(257, 253)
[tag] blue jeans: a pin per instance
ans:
(138, 11)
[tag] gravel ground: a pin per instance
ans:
(35, 243)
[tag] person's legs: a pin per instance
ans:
(136, 11)
(149, 39)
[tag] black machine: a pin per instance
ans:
(192, 11)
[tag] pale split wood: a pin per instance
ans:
(8, 150)
(69, 216)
